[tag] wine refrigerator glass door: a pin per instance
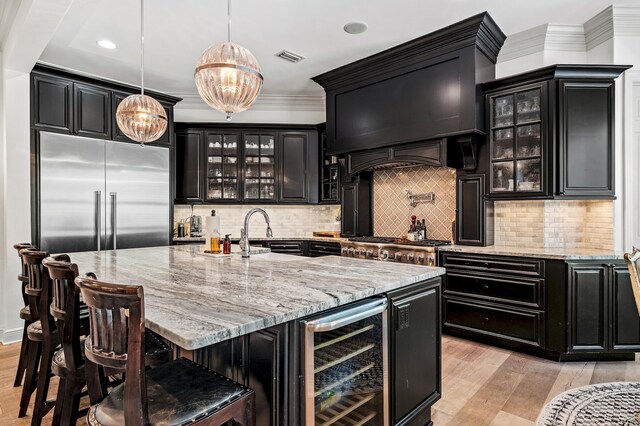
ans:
(345, 353)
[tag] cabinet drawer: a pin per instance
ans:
(287, 247)
(513, 324)
(321, 248)
(527, 292)
(511, 265)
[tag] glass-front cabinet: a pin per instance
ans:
(222, 166)
(259, 166)
(517, 143)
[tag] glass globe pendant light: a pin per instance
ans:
(228, 76)
(140, 117)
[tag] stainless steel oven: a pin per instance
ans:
(345, 366)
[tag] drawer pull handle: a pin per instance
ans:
(486, 287)
(486, 264)
(486, 319)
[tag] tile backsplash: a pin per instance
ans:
(391, 209)
(555, 224)
(286, 221)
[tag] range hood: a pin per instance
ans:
(426, 91)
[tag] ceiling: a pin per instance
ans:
(178, 31)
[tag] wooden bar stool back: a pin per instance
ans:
(175, 393)
(25, 314)
(42, 333)
(633, 263)
(68, 362)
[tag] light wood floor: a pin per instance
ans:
(481, 385)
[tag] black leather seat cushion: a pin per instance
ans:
(178, 392)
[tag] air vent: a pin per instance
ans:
(290, 56)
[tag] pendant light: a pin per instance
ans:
(228, 76)
(140, 117)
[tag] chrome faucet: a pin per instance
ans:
(244, 232)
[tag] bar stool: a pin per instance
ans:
(25, 315)
(43, 336)
(175, 393)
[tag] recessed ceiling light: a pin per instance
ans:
(107, 44)
(355, 27)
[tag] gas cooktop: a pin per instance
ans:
(400, 241)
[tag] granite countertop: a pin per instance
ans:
(544, 253)
(329, 239)
(194, 301)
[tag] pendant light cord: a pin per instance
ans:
(229, 21)
(142, 45)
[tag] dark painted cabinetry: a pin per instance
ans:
(67, 103)
(415, 352)
(564, 311)
(473, 209)
(189, 164)
(250, 164)
(603, 316)
(356, 206)
(551, 133)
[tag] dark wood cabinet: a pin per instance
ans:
(254, 164)
(189, 167)
(586, 148)
(293, 247)
(330, 170)
(63, 102)
(474, 213)
(415, 352)
(323, 248)
(52, 103)
(92, 111)
(603, 314)
(551, 133)
(576, 310)
(356, 206)
(294, 168)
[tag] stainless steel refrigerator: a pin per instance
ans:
(101, 195)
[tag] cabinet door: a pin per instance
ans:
(470, 210)
(189, 162)
(586, 143)
(349, 210)
(625, 319)
(92, 106)
(293, 179)
(415, 370)
(588, 307)
(222, 166)
(52, 103)
(265, 374)
(259, 166)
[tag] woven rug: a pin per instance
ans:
(614, 403)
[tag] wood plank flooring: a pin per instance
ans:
(482, 385)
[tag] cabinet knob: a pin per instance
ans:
(486, 264)
(486, 287)
(486, 319)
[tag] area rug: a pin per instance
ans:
(615, 403)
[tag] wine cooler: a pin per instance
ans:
(345, 366)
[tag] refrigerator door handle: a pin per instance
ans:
(98, 217)
(114, 218)
(347, 316)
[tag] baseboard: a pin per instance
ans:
(11, 336)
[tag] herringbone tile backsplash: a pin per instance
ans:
(391, 209)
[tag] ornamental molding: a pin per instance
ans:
(263, 103)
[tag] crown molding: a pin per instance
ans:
(263, 103)
(8, 11)
(626, 20)
(523, 43)
(565, 37)
(599, 29)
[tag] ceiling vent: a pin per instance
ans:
(289, 56)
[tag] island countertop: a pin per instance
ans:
(194, 301)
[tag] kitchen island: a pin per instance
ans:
(241, 317)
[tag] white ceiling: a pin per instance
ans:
(177, 31)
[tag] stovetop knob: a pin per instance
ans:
(369, 253)
(421, 258)
(398, 256)
(384, 254)
(351, 251)
(344, 250)
(410, 257)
